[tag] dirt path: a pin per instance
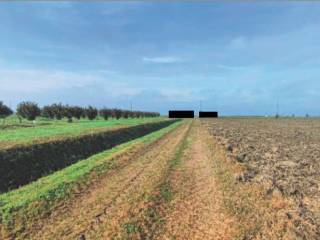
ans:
(107, 203)
(167, 192)
(195, 211)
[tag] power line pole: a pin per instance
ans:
(131, 106)
(277, 111)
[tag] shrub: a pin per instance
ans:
(58, 110)
(5, 111)
(28, 110)
(138, 114)
(77, 112)
(116, 113)
(47, 112)
(125, 113)
(67, 112)
(131, 114)
(91, 112)
(105, 113)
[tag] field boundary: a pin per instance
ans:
(259, 215)
(21, 207)
(22, 165)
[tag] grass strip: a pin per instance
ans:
(147, 223)
(24, 164)
(29, 135)
(19, 207)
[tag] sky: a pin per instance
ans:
(235, 57)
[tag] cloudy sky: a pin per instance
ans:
(235, 57)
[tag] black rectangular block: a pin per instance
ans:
(181, 114)
(208, 114)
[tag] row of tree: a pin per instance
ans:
(31, 110)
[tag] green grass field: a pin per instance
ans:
(44, 129)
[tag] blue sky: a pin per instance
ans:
(235, 57)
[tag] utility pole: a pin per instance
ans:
(131, 106)
(277, 113)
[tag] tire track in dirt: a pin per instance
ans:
(99, 213)
(196, 209)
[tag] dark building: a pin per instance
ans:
(181, 114)
(208, 114)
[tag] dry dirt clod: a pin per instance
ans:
(242, 157)
(82, 237)
(230, 148)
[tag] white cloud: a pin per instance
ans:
(228, 67)
(34, 81)
(162, 59)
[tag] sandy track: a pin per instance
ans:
(168, 191)
(99, 213)
(195, 212)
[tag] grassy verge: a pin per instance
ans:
(24, 164)
(18, 208)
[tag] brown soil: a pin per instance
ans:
(282, 157)
(196, 211)
(167, 190)
(98, 213)
(191, 184)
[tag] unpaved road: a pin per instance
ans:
(195, 212)
(168, 191)
(108, 201)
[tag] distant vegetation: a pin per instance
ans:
(5, 111)
(31, 110)
(28, 110)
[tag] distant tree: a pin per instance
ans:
(307, 115)
(125, 114)
(77, 112)
(58, 110)
(117, 113)
(91, 112)
(28, 110)
(105, 113)
(137, 114)
(68, 113)
(47, 112)
(131, 114)
(5, 111)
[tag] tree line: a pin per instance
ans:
(31, 110)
